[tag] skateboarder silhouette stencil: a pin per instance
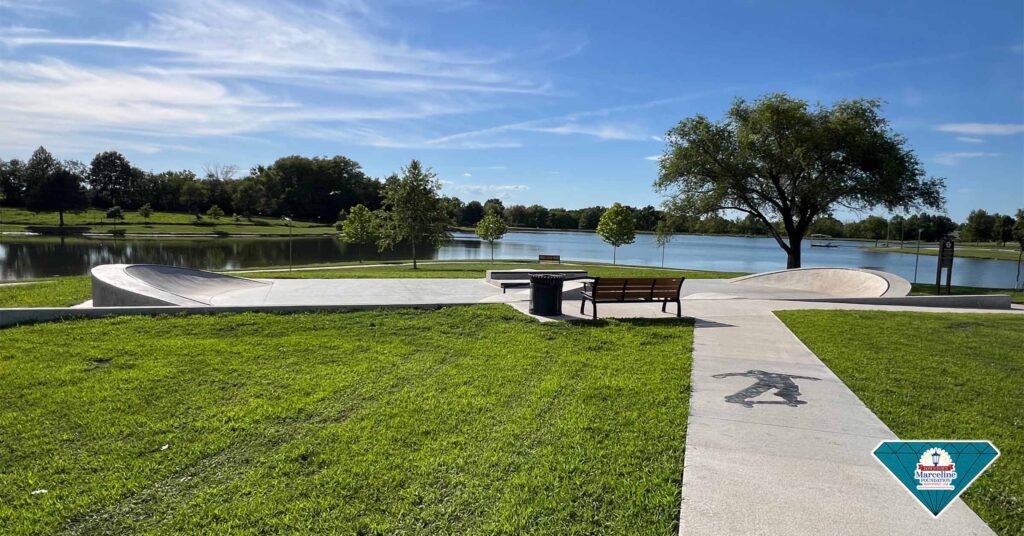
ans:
(783, 384)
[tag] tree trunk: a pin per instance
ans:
(359, 253)
(615, 250)
(414, 267)
(793, 258)
(492, 252)
(61, 213)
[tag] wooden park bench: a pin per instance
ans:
(631, 290)
(549, 258)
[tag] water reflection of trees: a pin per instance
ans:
(29, 257)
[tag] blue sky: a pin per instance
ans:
(558, 103)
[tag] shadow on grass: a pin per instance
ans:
(635, 322)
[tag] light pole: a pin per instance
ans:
(918, 256)
(289, 220)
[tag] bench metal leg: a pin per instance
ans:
(583, 303)
(679, 308)
(663, 304)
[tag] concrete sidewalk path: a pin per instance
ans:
(757, 463)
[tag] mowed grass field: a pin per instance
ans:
(936, 376)
(463, 420)
(17, 219)
(988, 251)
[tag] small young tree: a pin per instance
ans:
(215, 212)
(490, 229)
(115, 213)
(662, 236)
(415, 212)
(617, 227)
(146, 211)
(360, 227)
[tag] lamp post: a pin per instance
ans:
(917, 257)
(289, 220)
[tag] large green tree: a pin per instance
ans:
(12, 182)
(415, 213)
(490, 229)
(779, 158)
(112, 180)
(979, 227)
(53, 186)
(617, 227)
(360, 227)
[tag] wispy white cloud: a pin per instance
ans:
(500, 191)
(654, 158)
(231, 67)
(952, 159)
(967, 139)
(467, 174)
(983, 129)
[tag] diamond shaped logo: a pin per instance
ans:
(936, 472)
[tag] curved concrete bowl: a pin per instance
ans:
(839, 282)
(153, 284)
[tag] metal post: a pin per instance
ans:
(917, 257)
(289, 220)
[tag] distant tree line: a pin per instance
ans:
(325, 189)
(311, 189)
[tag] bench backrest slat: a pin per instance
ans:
(636, 288)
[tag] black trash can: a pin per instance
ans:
(546, 294)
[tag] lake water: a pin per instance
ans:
(25, 257)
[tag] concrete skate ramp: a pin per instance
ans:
(152, 284)
(838, 282)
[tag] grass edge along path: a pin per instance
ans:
(72, 290)
(398, 421)
(936, 376)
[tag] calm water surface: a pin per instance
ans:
(31, 257)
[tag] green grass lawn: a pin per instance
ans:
(1008, 253)
(936, 376)
(927, 289)
(15, 219)
(471, 270)
(55, 292)
(464, 420)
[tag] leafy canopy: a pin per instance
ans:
(617, 226)
(779, 159)
(492, 227)
(360, 226)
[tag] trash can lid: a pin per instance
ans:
(549, 277)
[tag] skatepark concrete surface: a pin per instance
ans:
(148, 284)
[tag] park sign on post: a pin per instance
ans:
(936, 472)
(945, 261)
